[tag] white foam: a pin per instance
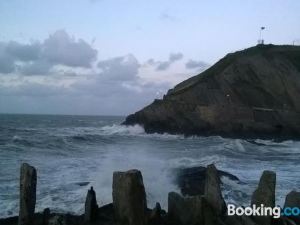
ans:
(156, 174)
(123, 130)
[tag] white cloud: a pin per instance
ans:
(120, 68)
(65, 78)
(60, 48)
(38, 58)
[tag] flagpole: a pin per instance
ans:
(260, 34)
(261, 41)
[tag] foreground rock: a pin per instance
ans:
(28, 181)
(129, 198)
(190, 210)
(46, 216)
(212, 190)
(265, 194)
(91, 206)
(191, 181)
(206, 209)
(257, 89)
(293, 200)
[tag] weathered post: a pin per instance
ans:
(28, 181)
(129, 198)
(212, 190)
(91, 207)
(46, 216)
(265, 195)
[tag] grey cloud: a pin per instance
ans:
(40, 67)
(7, 64)
(193, 64)
(23, 52)
(120, 68)
(38, 58)
(164, 65)
(175, 57)
(151, 62)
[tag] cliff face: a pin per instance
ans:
(251, 92)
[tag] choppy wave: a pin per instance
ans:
(70, 150)
(123, 130)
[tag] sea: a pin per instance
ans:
(72, 153)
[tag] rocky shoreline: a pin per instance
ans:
(200, 202)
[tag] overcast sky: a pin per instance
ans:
(113, 57)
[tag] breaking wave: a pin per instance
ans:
(73, 153)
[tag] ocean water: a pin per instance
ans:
(68, 150)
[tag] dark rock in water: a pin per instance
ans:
(91, 206)
(129, 198)
(46, 216)
(191, 180)
(28, 181)
(190, 210)
(256, 88)
(81, 184)
(265, 194)
(293, 200)
(212, 190)
(205, 207)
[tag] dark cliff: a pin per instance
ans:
(254, 92)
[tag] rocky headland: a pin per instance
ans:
(250, 93)
(201, 204)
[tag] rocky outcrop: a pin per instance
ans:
(202, 209)
(265, 195)
(212, 190)
(254, 92)
(191, 181)
(28, 181)
(91, 206)
(129, 198)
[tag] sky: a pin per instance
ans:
(113, 57)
